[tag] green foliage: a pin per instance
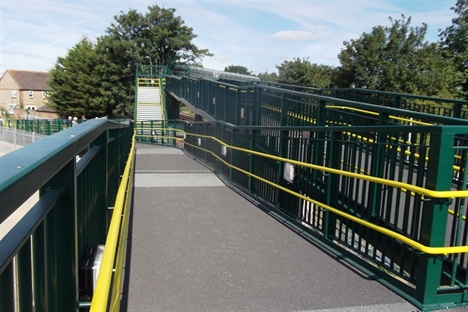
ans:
(454, 43)
(4, 114)
(238, 70)
(98, 79)
(116, 70)
(75, 84)
(159, 35)
(266, 76)
(301, 72)
(395, 59)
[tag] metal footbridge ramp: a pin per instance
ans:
(197, 245)
(285, 199)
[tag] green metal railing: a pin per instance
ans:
(161, 132)
(77, 173)
(40, 126)
(424, 104)
(380, 183)
(430, 105)
(150, 70)
(273, 106)
(391, 206)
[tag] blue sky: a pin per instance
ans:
(256, 34)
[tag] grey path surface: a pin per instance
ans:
(196, 245)
(12, 139)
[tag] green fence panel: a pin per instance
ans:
(416, 140)
(70, 171)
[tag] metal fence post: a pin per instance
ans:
(61, 242)
(457, 110)
(321, 121)
(25, 290)
(377, 167)
(7, 302)
(251, 147)
(332, 188)
(101, 187)
(39, 269)
(434, 218)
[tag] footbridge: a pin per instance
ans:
(276, 198)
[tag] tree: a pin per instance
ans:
(396, 59)
(301, 72)
(73, 80)
(157, 37)
(266, 76)
(454, 42)
(116, 69)
(238, 70)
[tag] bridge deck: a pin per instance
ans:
(196, 245)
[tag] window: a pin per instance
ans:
(11, 107)
(44, 94)
(13, 93)
(31, 94)
(31, 107)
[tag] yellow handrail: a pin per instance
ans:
(303, 117)
(151, 81)
(405, 187)
(406, 152)
(395, 184)
(116, 238)
(161, 99)
(408, 241)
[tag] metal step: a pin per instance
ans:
(149, 104)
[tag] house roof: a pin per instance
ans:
(30, 80)
(46, 109)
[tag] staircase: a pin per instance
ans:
(150, 114)
(149, 105)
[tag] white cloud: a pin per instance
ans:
(222, 59)
(296, 35)
(256, 34)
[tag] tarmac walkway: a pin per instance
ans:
(197, 245)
